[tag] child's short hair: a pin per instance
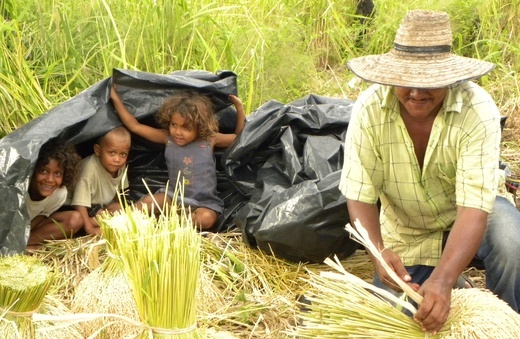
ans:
(195, 107)
(65, 154)
(119, 130)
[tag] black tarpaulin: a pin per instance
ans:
(287, 163)
(89, 115)
(279, 180)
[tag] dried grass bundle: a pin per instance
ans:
(467, 318)
(161, 259)
(106, 291)
(53, 306)
(24, 282)
(478, 313)
(343, 305)
(24, 285)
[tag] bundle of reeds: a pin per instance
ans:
(345, 306)
(106, 291)
(342, 305)
(24, 285)
(24, 282)
(160, 257)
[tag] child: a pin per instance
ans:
(190, 132)
(56, 170)
(102, 176)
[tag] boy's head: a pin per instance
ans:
(112, 149)
(57, 165)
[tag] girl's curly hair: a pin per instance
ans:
(196, 108)
(65, 154)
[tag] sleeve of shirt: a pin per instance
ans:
(478, 172)
(57, 200)
(361, 176)
(82, 196)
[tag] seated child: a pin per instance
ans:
(102, 177)
(189, 130)
(56, 170)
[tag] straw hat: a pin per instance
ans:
(421, 57)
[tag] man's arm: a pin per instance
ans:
(462, 245)
(368, 216)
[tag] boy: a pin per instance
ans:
(102, 177)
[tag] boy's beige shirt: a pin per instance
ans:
(95, 185)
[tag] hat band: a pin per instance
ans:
(423, 49)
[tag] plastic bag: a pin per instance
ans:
(287, 163)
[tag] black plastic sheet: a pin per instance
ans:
(287, 163)
(279, 180)
(84, 118)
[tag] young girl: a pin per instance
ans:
(56, 170)
(190, 132)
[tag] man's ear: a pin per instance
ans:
(97, 149)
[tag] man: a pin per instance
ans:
(425, 140)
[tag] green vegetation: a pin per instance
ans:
(281, 49)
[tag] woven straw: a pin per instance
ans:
(421, 57)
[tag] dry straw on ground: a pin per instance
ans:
(244, 293)
(24, 291)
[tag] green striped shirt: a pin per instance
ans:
(460, 167)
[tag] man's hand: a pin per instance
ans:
(434, 310)
(395, 263)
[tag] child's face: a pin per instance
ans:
(113, 153)
(46, 180)
(181, 133)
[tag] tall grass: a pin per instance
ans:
(280, 49)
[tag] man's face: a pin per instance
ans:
(421, 103)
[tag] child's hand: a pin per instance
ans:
(241, 114)
(92, 227)
(235, 101)
(113, 92)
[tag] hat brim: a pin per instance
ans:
(425, 72)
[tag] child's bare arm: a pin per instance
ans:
(241, 114)
(225, 140)
(134, 126)
(37, 220)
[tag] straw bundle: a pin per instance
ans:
(477, 313)
(343, 305)
(161, 260)
(106, 291)
(24, 285)
(24, 282)
(55, 329)
(467, 318)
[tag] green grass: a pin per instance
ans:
(52, 50)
